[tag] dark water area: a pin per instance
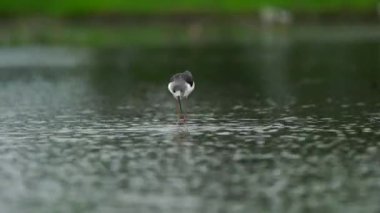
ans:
(278, 125)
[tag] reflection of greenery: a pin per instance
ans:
(90, 7)
(338, 66)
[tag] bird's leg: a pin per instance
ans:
(182, 118)
(185, 111)
(177, 110)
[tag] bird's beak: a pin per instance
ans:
(180, 105)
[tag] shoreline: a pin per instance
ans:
(151, 32)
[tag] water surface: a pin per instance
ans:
(284, 125)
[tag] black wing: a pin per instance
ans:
(188, 77)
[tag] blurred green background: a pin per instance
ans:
(96, 7)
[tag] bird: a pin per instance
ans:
(181, 85)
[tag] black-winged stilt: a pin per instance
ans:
(180, 86)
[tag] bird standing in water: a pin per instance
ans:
(180, 86)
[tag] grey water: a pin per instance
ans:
(281, 125)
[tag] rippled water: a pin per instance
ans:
(102, 138)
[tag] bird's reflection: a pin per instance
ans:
(181, 135)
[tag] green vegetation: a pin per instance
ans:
(102, 35)
(167, 7)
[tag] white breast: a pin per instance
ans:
(177, 93)
(170, 85)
